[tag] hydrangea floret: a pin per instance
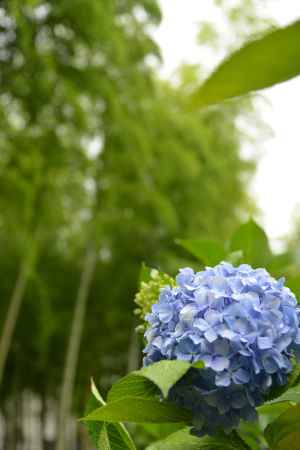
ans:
(242, 323)
(149, 293)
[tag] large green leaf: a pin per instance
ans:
(159, 377)
(139, 410)
(284, 432)
(252, 240)
(135, 398)
(264, 62)
(183, 440)
(209, 252)
(133, 385)
(106, 436)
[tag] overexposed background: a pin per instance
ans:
(276, 185)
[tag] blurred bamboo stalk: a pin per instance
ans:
(74, 346)
(12, 314)
(16, 300)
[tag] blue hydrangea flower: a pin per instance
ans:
(242, 323)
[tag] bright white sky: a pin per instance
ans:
(276, 186)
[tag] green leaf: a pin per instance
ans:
(96, 393)
(106, 436)
(161, 430)
(119, 437)
(280, 263)
(290, 395)
(294, 284)
(267, 413)
(183, 440)
(151, 380)
(133, 385)
(284, 432)
(235, 257)
(259, 64)
(207, 251)
(103, 440)
(251, 433)
(252, 240)
(139, 410)
(164, 374)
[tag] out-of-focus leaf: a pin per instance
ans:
(139, 410)
(294, 284)
(284, 432)
(279, 263)
(183, 440)
(235, 257)
(252, 240)
(264, 62)
(156, 378)
(207, 251)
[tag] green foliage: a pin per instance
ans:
(106, 436)
(290, 395)
(133, 385)
(255, 66)
(139, 410)
(293, 282)
(163, 375)
(208, 251)
(184, 440)
(248, 244)
(252, 240)
(251, 433)
(158, 431)
(166, 373)
(135, 398)
(283, 433)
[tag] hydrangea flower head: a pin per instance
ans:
(242, 323)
